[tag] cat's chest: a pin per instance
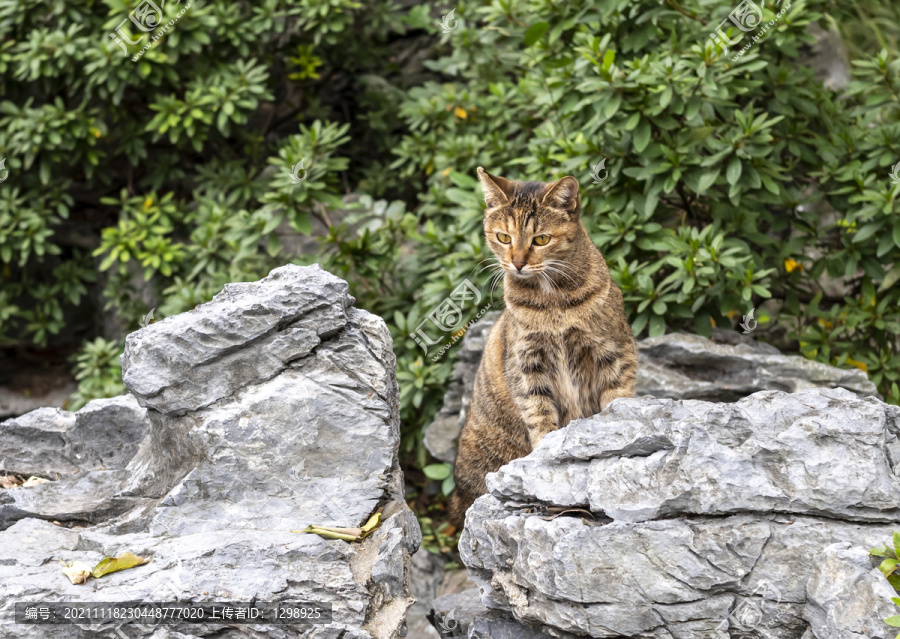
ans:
(578, 382)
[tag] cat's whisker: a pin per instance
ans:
(560, 264)
(553, 269)
(480, 262)
(555, 283)
(549, 281)
(496, 278)
(487, 259)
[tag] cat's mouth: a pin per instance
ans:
(525, 274)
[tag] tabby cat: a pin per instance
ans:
(563, 347)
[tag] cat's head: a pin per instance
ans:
(531, 226)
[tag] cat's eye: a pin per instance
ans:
(504, 238)
(540, 240)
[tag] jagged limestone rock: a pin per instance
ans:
(50, 441)
(273, 407)
(847, 596)
(693, 518)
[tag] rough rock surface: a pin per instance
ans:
(847, 596)
(697, 519)
(463, 615)
(85, 453)
(425, 575)
(676, 365)
(270, 408)
(50, 441)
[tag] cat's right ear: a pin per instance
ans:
(497, 190)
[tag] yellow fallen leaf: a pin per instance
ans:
(34, 481)
(372, 525)
(148, 203)
(860, 365)
(345, 534)
(460, 113)
(113, 564)
(78, 571)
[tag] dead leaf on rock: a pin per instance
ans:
(34, 481)
(345, 534)
(79, 572)
(122, 562)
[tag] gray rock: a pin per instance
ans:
(643, 459)
(49, 442)
(455, 613)
(271, 408)
(248, 333)
(688, 366)
(497, 625)
(83, 498)
(694, 519)
(463, 615)
(675, 365)
(848, 597)
(84, 454)
(828, 57)
(426, 574)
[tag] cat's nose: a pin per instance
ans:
(518, 265)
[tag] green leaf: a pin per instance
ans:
(893, 621)
(642, 135)
(707, 180)
(122, 562)
(657, 326)
(632, 121)
(702, 324)
(438, 472)
(302, 224)
(639, 323)
(890, 278)
(448, 485)
(535, 32)
(733, 174)
(608, 59)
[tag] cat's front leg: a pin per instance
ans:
(534, 393)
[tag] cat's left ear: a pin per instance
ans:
(563, 194)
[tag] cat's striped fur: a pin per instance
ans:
(563, 347)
